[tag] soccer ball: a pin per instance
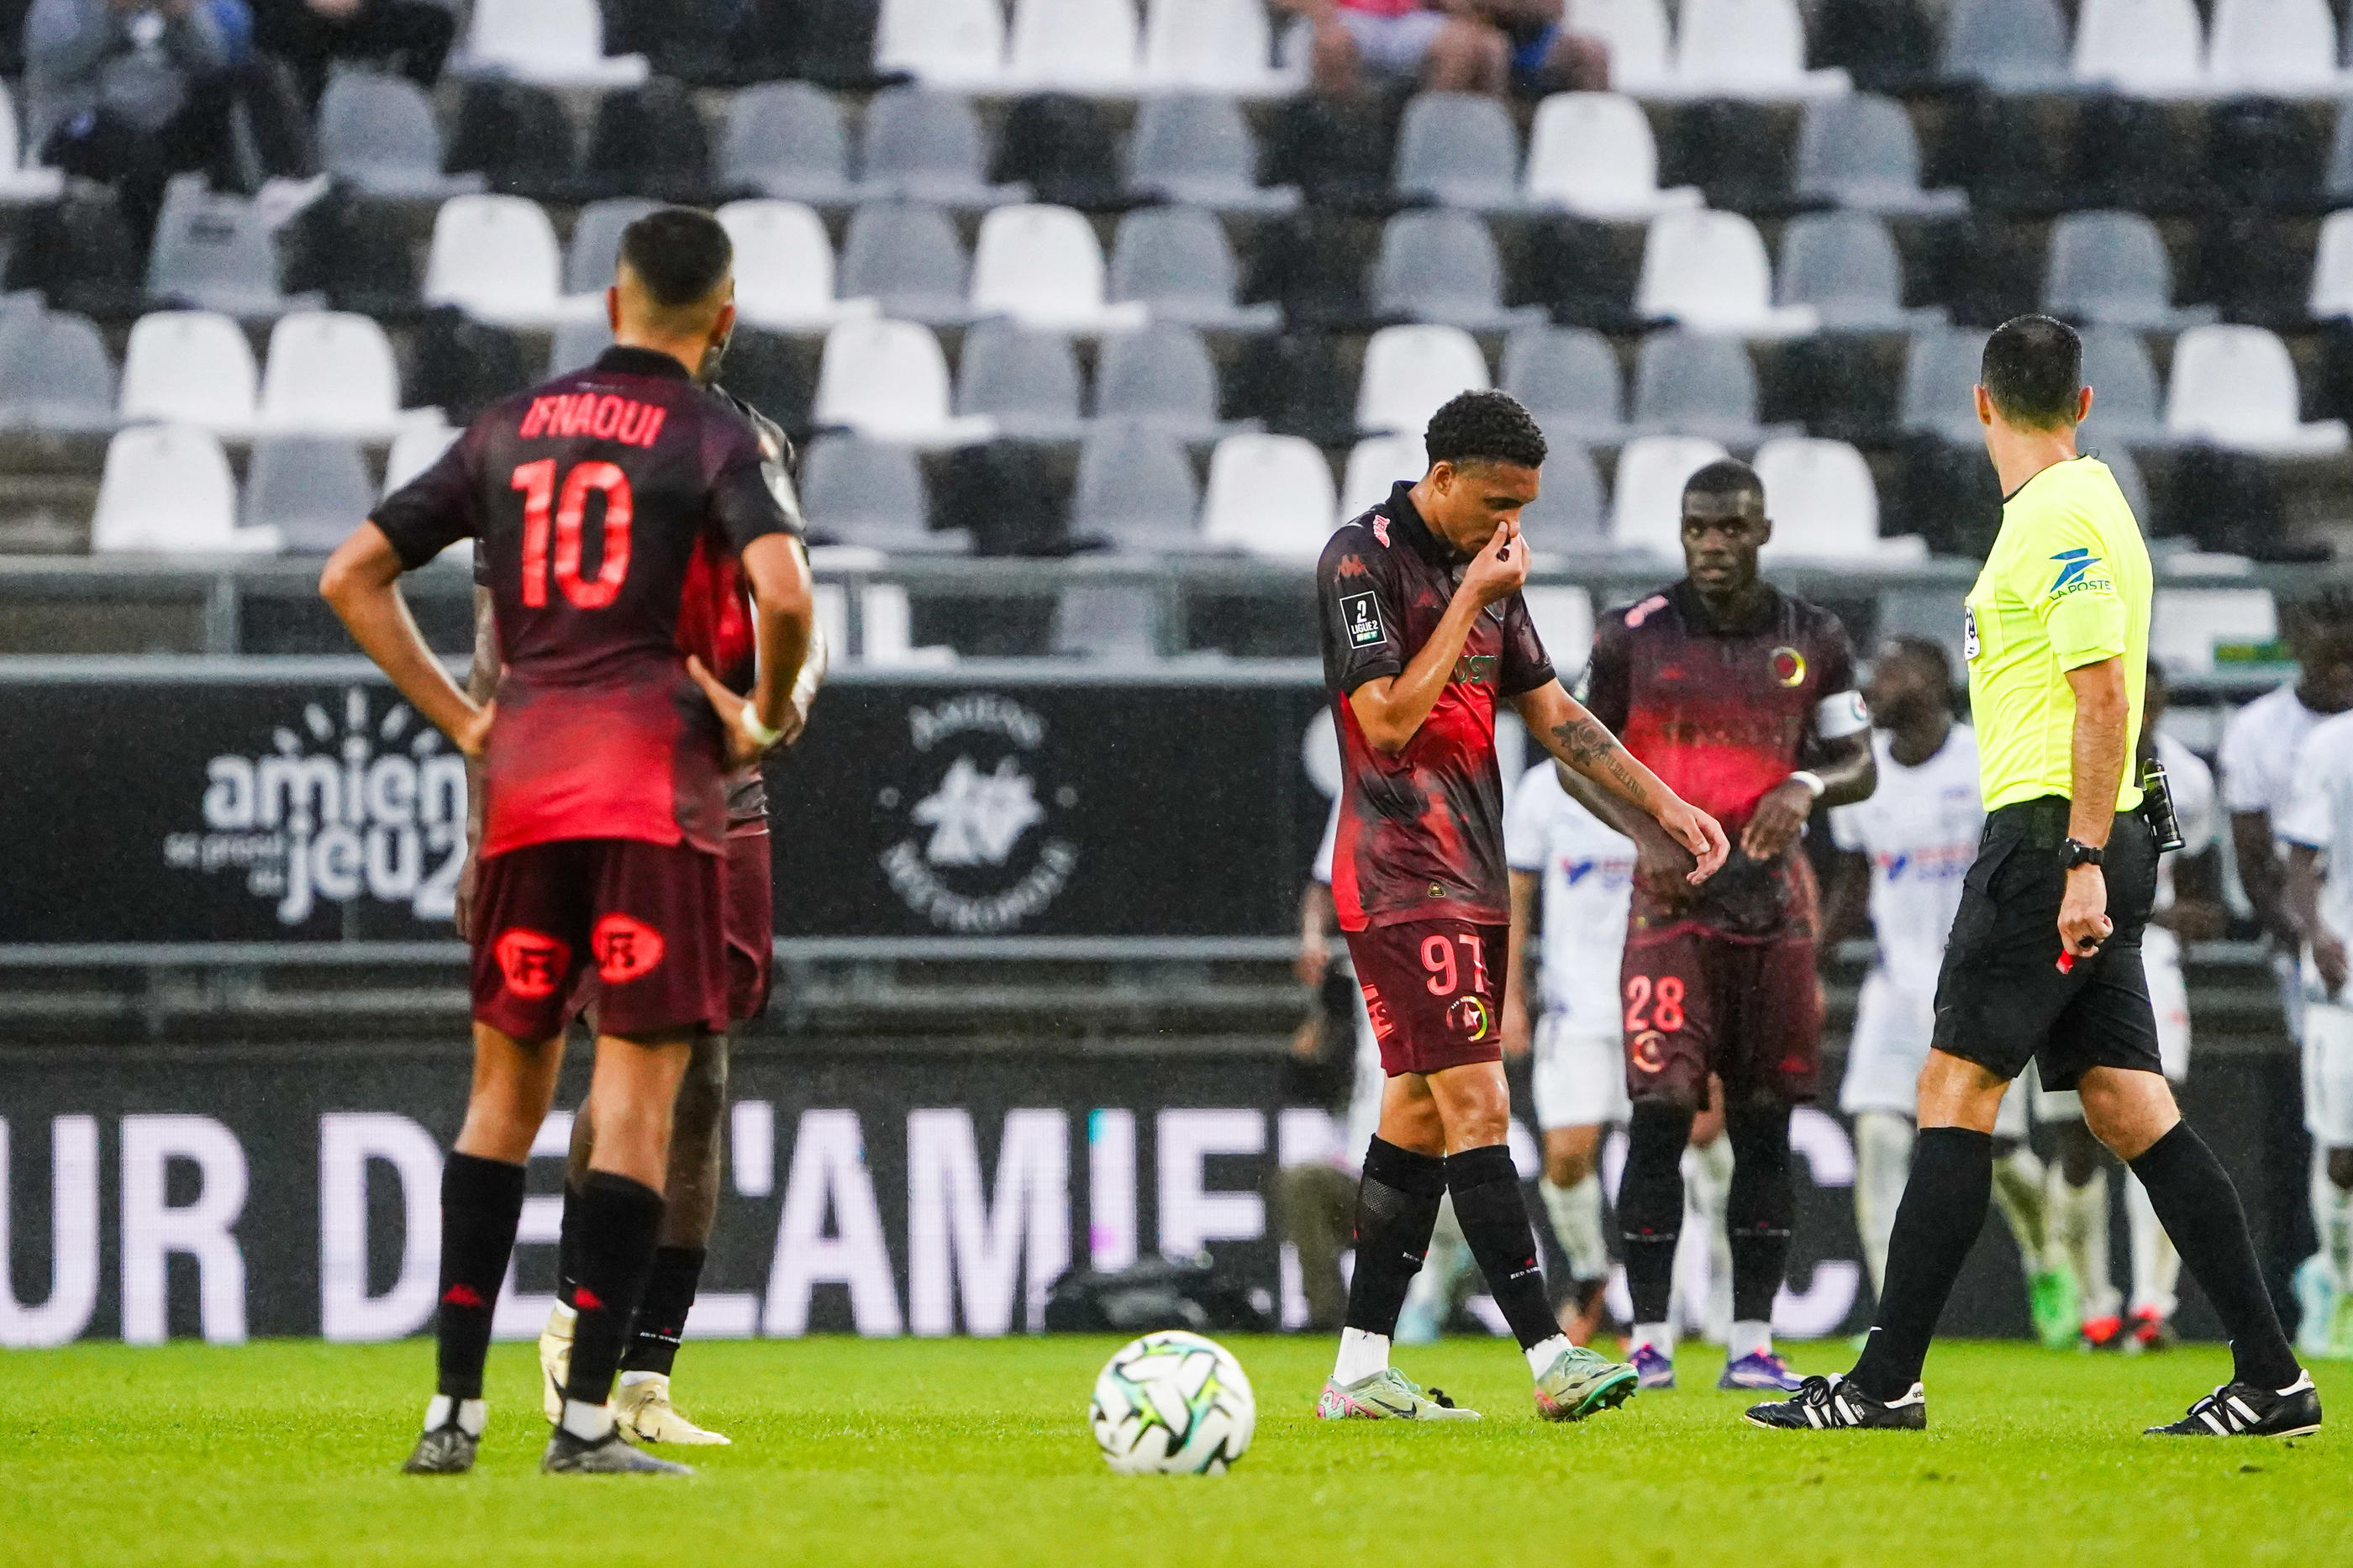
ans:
(1173, 1403)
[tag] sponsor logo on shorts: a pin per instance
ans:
(625, 949)
(1788, 665)
(1648, 1052)
(532, 962)
(1470, 1017)
(1378, 1012)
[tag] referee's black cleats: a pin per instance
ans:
(1821, 1403)
(444, 1450)
(2243, 1410)
(607, 1456)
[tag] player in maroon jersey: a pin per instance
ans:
(604, 811)
(1424, 633)
(1743, 699)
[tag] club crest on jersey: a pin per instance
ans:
(1788, 665)
(1469, 1015)
(1361, 612)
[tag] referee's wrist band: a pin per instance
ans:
(1812, 780)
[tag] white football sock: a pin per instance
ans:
(590, 1423)
(1748, 1337)
(559, 1321)
(1362, 1353)
(2079, 1228)
(2332, 1218)
(472, 1413)
(1659, 1337)
(2020, 1192)
(1882, 1159)
(1576, 1214)
(2156, 1264)
(1707, 1183)
(1541, 1354)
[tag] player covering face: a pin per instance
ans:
(1424, 633)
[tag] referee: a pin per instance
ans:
(2044, 960)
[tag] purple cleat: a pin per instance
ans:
(1762, 1370)
(1652, 1368)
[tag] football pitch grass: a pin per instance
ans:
(963, 1452)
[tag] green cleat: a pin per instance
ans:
(1580, 1383)
(1387, 1395)
(2052, 1301)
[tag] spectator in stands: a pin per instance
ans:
(1547, 58)
(1445, 46)
(412, 36)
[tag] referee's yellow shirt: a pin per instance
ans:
(2067, 584)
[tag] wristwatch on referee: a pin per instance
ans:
(2075, 852)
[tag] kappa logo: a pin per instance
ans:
(2075, 572)
(625, 949)
(532, 962)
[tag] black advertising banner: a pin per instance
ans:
(311, 804)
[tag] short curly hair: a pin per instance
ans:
(1484, 427)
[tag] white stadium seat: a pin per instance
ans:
(1646, 507)
(784, 267)
(1374, 464)
(1073, 46)
(2332, 268)
(1642, 46)
(2235, 387)
(1749, 48)
(557, 43)
(417, 448)
(495, 258)
(193, 367)
(1707, 270)
(167, 488)
(19, 180)
(945, 43)
(2283, 49)
(1593, 152)
(1412, 371)
(888, 380)
(1822, 499)
(2151, 48)
(1213, 45)
(1043, 266)
(329, 370)
(1269, 495)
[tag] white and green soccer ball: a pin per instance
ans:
(1173, 1403)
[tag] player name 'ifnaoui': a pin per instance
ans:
(604, 416)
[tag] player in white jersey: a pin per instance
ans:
(1582, 870)
(2257, 759)
(1917, 835)
(2318, 825)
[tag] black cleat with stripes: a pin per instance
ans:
(1823, 1403)
(2243, 1410)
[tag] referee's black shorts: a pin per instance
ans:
(2001, 999)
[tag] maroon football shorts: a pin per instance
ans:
(751, 917)
(1435, 991)
(640, 924)
(1697, 1001)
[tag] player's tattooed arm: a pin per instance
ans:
(1628, 795)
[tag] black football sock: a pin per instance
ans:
(1759, 1209)
(661, 1311)
(1650, 1207)
(1397, 1206)
(482, 1200)
(1494, 1214)
(1944, 1207)
(2200, 1209)
(619, 1220)
(567, 1267)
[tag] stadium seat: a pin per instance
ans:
(378, 133)
(1195, 149)
(1887, 47)
(167, 489)
(1410, 371)
(1108, 620)
(1159, 375)
(923, 147)
(1593, 154)
(648, 141)
(1568, 515)
(2332, 268)
(519, 137)
(1268, 495)
(943, 43)
(1693, 384)
(785, 139)
(1219, 46)
(1642, 49)
(2235, 387)
(1076, 46)
(2282, 49)
(1023, 380)
(2120, 463)
(1439, 265)
(1374, 464)
(1860, 152)
(2261, 154)
(2149, 48)
(1177, 263)
(1041, 265)
(20, 179)
(190, 367)
(1064, 149)
(2008, 46)
(1136, 488)
(1748, 48)
(574, 345)
(216, 253)
(1646, 508)
(1822, 499)
(1707, 271)
(2125, 402)
(55, 373)
(495, 258)
(2185, 624)
(1940, 375)
(870, 493)
(1843, 267)
(329, 370)
(595, 249)
(2110, 267)
(888, 380)
(1566, 377)
(783, 267)
(554, 43)
(1459, 148)
(312, 490)
(905, 257)
(417, 448)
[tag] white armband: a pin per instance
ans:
(1837, 717)
(1812, 780)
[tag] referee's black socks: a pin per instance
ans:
(482, 1200)
(1494, 1214)
(2200, 1209)
(1396, 1207)
(1944, 1208)
(617, 1222)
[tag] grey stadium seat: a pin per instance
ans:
(1025, 379)
(1568, 377)
(2337, 185)
(53, 373)
(2126, 403)
(1160, 375)
(378, 132)
(870, 493)
(1178, 262)
(1568, 514)
(1460, 149)
(1135, 490)
(785, 139)
(2110, 267)
(923, 147)
(310, 488)
(1844, 265)
(596, 246)
(1108, 620)
(217, 253)
(1439, 265)
(907, 257)
(576, 345)
(2010, 46)
(1196, 149)
(1939, 371)
(2128, 472)
(1862, 152)
(1694, 383)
